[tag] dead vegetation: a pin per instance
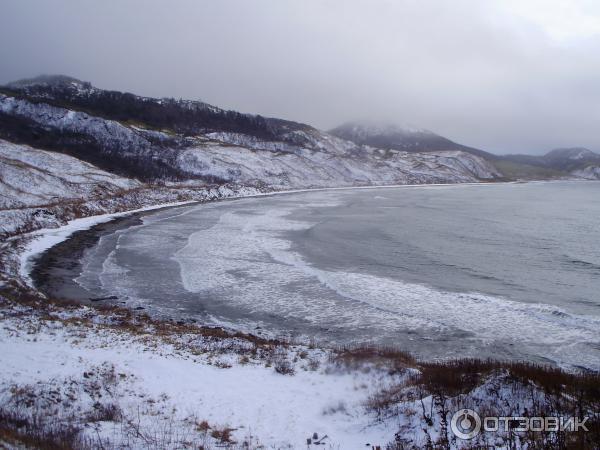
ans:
(182, 336)
(84, 413)
(390, 359)
(431, 395)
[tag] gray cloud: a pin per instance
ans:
(497, 75)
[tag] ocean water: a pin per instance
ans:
(502, 270)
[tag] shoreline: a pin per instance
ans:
(51, 262)
(46, 238)
(81, 234)
(55, 270)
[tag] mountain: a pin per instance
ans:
(70, 149)
(560, 159)
(390, 136)
(182, 116)
(559, 163)
(151, 138)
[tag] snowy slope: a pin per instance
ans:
(31, 177)
(125, 381)
(158, 384)
(318, 160)
(588, 173)
(307, 168)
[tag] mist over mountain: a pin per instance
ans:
(405, 138)
(411, 139)
(564, 159)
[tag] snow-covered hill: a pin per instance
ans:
(338, 163)
(66, 142)
(588, 173)
(31, 177)
(235, 157)
(405, 138)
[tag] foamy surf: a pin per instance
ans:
(245, 263)
(272, 272)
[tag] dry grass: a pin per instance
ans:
(460, 376)
(439, 389)
(388, 358)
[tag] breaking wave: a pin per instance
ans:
(247, 261)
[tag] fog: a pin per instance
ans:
(505, 76)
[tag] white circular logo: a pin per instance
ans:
(466, 424)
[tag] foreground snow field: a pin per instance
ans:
(112, 378)
(58, 359)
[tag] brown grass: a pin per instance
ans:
(392, 359)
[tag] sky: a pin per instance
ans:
(507, 76)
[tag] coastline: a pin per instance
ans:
(53, 271)
(51, 260)
(249, 384)
(55, 278)
(44, 239)
(40, 243)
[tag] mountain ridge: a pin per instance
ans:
(182, 116)
(193, 117)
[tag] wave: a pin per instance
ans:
(580, 263)
(248, 262)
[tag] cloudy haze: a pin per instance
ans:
(505, 76)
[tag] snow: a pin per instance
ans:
(279, 411)
(46, 238)
(108, 131)
(166, 383)
(588, 173)
(32, 177)
(305, 168)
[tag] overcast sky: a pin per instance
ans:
(501, 75)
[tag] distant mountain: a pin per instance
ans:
(408, 139)
(560, 159)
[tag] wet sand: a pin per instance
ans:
(53, 271)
